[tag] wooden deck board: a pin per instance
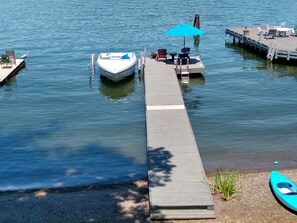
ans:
(177, 182)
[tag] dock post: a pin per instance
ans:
(197, 25)
(197, 21)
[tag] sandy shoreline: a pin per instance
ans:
(129, 203)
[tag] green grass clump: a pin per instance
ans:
(226, 183)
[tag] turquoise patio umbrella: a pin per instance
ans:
(184, 30)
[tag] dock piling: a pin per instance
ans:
(197, 25)
(197, 21)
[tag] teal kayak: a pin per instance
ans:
(284, 189)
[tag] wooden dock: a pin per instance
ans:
(279, 48)
(6, 72)
(178, 188)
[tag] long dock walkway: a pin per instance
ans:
(6, 72)
(277, 48)
(177, 184)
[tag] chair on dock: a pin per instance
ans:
(162, 54)
(11, 55)
(263, 29)
(184, 55)
(294, 31)
(186, 50)
(183, 58)
(271, 34)
(5, 62)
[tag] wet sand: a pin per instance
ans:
(129, 203)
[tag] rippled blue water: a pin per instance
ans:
(60, 128)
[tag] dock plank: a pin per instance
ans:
(177, 184)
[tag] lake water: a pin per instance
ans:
(59, 127)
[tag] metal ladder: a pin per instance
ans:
(271, 53)
(184, 74)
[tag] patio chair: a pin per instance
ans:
(271, 34)
(183, 58)
(11, 55)
(5, 61)
(294, 31)
(162, 54)
(186, 50)
(264, 28)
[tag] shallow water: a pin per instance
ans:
(59, 127)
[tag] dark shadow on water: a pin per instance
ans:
(12, 81)
(7, 88)
(246, 54)
(276, 70)
(124, 202)
(61, 165)
(119, 90)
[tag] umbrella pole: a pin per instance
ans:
(184, 41)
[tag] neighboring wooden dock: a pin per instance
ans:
(284, 48)
(6, 72)
(178, 188)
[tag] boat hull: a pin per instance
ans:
(118, 76)
(115, 66)
(284, 189)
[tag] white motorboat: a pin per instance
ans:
(116, 65)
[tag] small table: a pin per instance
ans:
(172, 55)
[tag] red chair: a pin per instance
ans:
(162, 54)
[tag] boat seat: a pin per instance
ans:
(125, 56)
(105, 57)
(284, 190)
